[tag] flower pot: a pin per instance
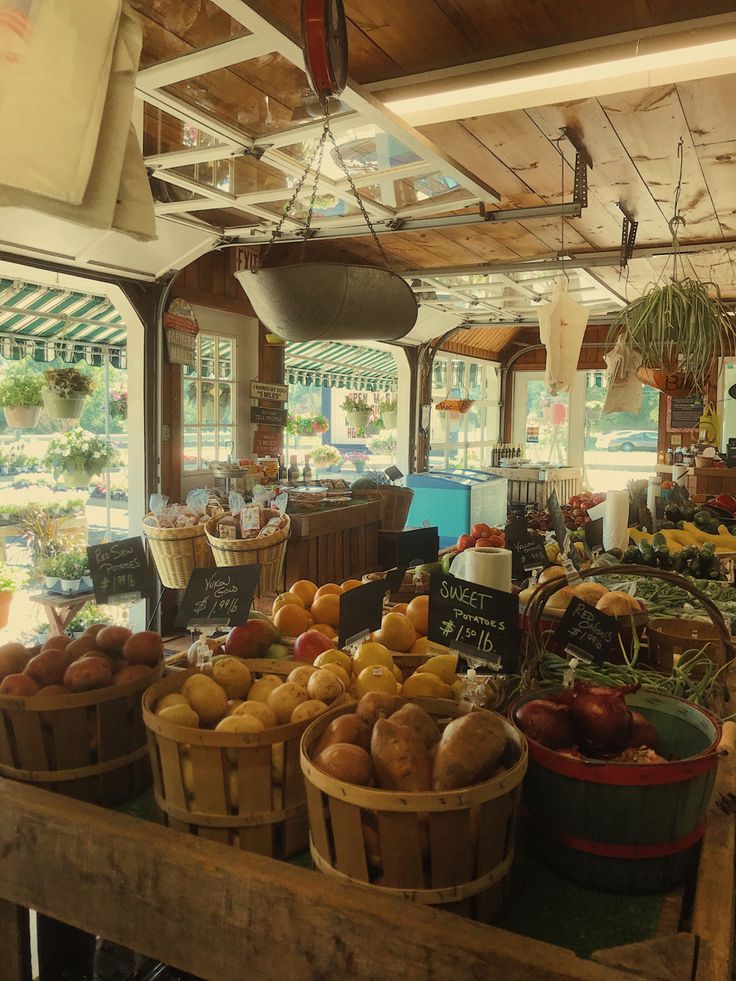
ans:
(359, 465)
(59, 408)
(21, 416)
(69, 585)
(86, 582)
(359, 418)
(76, 478)
(675, 384)
(6, 597)
(389, 419)
(51, 582)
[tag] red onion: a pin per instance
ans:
(602, 719)
(546, 722)
(642, 732)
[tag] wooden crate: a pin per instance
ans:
(91, 746)
(333, 545)
(239, 789)
(448, 849)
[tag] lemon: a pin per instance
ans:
(376, 677)
(333, 656)
(428, 685)
(443, 665)
(372, 653)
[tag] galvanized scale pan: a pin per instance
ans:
(331, 300)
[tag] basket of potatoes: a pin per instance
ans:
(224, 748)
(417, 797)
(71, 716)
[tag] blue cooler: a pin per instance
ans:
(455, 500)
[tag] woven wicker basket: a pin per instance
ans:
(177, 552)
(395, 504)
(269, 553)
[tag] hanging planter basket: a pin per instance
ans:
(59, 408)
(674, 384)
(21, 416)
(389, 419)
(358, 418)
(76, 478)
(453, 406)
(331, 300)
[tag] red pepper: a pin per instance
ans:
(726, 501)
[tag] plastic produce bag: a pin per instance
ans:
(562, 324)
(198, 498)
(624, 392)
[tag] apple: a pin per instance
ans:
(251, 639)
(310, 644)
(480, 531)
(465, 541)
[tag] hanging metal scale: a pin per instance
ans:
(325, 42)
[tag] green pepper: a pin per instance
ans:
(647, 553)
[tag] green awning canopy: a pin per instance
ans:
(44, 323)
(331, 364)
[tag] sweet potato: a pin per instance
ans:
(420, 721)
(377, 705)
(469, 751)
(400, 757)
(345, 729)
(347, 762)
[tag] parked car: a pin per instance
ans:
(627, 440)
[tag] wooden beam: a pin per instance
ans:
(15, 942)
(215, 911)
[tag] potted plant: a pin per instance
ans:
(70, 568)
(8, 585)
(319, 424)
(681, 330)
(78, 456)
(20, 397)
(326, 457)
(65, 392)
(358, 459)
(358, 411)
(119, 405)
(388, 410)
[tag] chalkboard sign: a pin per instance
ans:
(526, 547)
(218, 597)
(268, 417)
(478, 621)
(393, 473)
(558, 522)
(594, 534)
(394, 579)
(683, 415)
(120, 571)
(587, 632)
(361, 610)
(417, 546)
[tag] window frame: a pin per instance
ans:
(216, 379)
(490, 425)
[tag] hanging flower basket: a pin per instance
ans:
(58, 408)
(675, 384)
(358, 418)
(21, 416)
(76, 478)
(454, 405)
(389, 419)
(66, 392)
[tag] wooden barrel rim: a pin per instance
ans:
(60, 776)
(251, 819)
(446, 894)
(50, 703)
(410, 801)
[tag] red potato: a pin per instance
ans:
(145, 647)
(111, 639)
(88, 673)
(18, 685)
(48, 667)
(131, 673)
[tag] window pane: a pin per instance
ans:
(207, 356)
(207, 390)
(439, 378)
(189, 456)
(437, 427)
(190, 371)
(225, 403)
(190, 403)
(225, 354)
(474, 423)
(225, 444)
(457, 379)
(209, 451)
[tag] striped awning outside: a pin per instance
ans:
(45, 323)
(332, 364)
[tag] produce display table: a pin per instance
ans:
(61, 610)
(530, 485)
(715, 480)
(333, 544)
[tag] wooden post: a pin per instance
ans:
(15, 942)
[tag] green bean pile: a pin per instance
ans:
(663, 599)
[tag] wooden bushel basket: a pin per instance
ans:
(91, 746)
(236, 788)
(448, 849)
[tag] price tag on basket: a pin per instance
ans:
(417, 546)
(586, 633)
(594, 535)
(477, 621)
(394, 579)
(220, 597)
(361, 610)
(120, 571)
(526, 547)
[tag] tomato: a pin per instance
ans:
(484, 543)
(497, 541)
(465, 541)
(480, 531)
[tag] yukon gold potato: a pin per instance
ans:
(284, 699)
(302, 674)
(469, 751)
(207, 699)
(347, 762)
(345, 729)
(418, 719)
(233, 675)
(308, 710)
(258, 710)
(234, 703)
(175, 698)
(339, 672)
(325, 686)
(334, 656)
(240, 723)
(179, 715)
(400, 757)
(262, 688)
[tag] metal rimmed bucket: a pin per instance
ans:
(331, 300)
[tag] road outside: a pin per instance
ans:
(610, 471)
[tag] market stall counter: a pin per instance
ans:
(333, 544)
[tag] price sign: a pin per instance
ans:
(558, 522)
(594, 534)
(417, 546)
(476, 620)
(586, 632)
(527, 548)
(218, 597)
(120, 571)
(393, 473)
(395, 579)
(361, 610)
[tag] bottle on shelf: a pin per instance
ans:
(679, 455)
(307, 471)
(669, 457)
(293, 471)
(283, 472)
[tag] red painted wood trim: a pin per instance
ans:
(610, 850)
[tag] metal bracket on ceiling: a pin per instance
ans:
(629, 225)
(583, 161)
(254, 151)
(396, 224)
